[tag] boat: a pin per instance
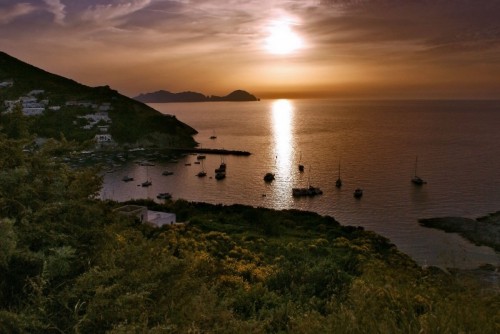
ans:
(220, 175)
(146, 163)
(202, 172)
(269, 177)
(213, 136)
(338, 183)
(301, 166)
(127, 178)
(307, 191)
(417, 180)
(164, 196)
(201, 157)
(148, 182)
(358, 192)
(167, 173)
(222, 168)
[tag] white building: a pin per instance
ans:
(36, 92)
(93, 119)
(145, 216)
(103, 138)
(7, 83)
(105, 106)
(159, 219)
(33, 111)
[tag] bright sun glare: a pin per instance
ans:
(282, 39)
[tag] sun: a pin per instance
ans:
(282, 39)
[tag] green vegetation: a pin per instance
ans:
(70, 264)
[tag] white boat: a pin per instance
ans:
(417, 180)
(127, 178)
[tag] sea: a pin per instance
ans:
(377, 146)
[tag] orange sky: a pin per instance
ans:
(271, 48)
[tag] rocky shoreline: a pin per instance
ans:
(482, 231)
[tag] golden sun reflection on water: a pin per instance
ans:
(282, 120)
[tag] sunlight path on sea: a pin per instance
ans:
(282, 131)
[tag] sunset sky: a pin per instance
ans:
(271, 48)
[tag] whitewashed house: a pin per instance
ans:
(159, 219)
(6, 83)
(103, 138)
(145, 216)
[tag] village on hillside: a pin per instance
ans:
(34, 104)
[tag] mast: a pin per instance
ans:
(338, 183)
(416, 162)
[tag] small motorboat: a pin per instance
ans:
(358, 192)
(269, 177)
(220, 175)
(127, 178)
(164, 196)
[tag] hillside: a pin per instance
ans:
(66, 102)
(70, 263)
(163, 96)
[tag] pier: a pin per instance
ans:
(211, 151)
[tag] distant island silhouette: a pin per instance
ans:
(163, 96)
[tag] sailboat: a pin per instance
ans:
(213, 136)
(269, 177)
(338, 183)
(309, 191)
(202, 172)
(220, 173)
(148, 182)
(301, 166)
(417, 180)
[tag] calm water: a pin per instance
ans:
(376, 144)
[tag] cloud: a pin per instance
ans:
(57, 8)
(17, 10)
(103, 13)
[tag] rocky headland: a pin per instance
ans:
(482, 231)
(163, 96)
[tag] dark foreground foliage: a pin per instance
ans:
(69, 264)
